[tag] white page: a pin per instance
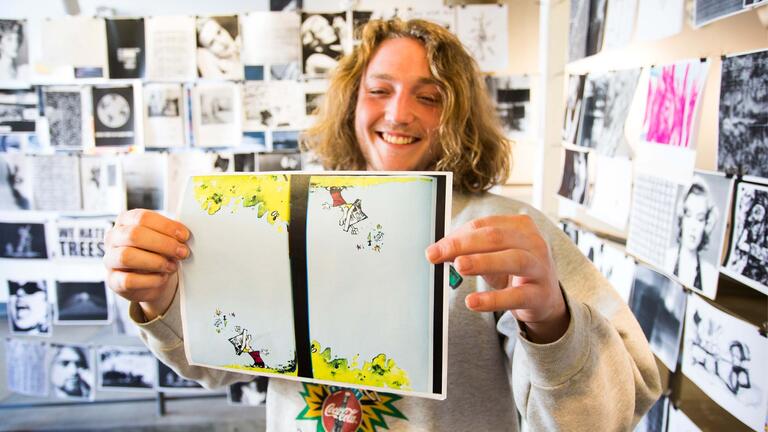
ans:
(163, 115)
(270, 105)
(80, 239)
(25, 366)
(56, 182)
(484, 30)
(619, 23)
(180, 166)
(612, 191)
(271, 38)
(721, 354)
(370, 247)
(216, 114)
(170, 42)
(62, 55)
(659, 19)
(103, 188)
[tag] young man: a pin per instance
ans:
(411, 98)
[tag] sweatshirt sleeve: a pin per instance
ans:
(600, 374)
(163, 336)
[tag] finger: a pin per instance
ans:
(141, 237)
(513, 298)
(154, 221)
(515, 262)
(138, 287)
(130, 258)
(486, 239)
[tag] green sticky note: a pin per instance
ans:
(455, 279)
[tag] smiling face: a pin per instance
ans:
(398, 108)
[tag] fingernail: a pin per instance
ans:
(433, 252)
(172, 267)
(182, 252)
(182, 235)
(472, 301)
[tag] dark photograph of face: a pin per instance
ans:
(71, 372)
(28, 309)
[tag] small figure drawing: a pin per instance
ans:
(732, 371)
(23, 248)
(351, 215)
(242, 344)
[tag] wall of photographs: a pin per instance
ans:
(86, 133)
(665, 188)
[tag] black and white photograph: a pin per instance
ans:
(26, 372)
(617, 267)
(15, 182)
(652, 218)
(575, 180)
(573, 105)
(163, 115)
(285, 5)
(659, 306)
(171, 48)
(251, 393)
(747, 259)
(125, 45)
(14, 54)
(126, 368)
(144, 175)
(655, 420)
(245, 162)
(322, 42)
(484, 31)
(743, 134)
(279, 161)
(218, 47)
(18, 110)
(101, 182)
(72, 371)
(275, 104)
(29, 311)
(217, 108)
(169, 381)
(217, 117)
(694, 258)
(56, 182)
(725, 357)
(579, 27)
(81, 302)
(754, 2)
(511, 96)
(285, 141)
(707, 11)
(606, 101)
(64, 113)
(23, 240)
(114, 119)
(597, 11)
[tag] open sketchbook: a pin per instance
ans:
(319, 277)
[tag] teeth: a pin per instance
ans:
(396, 139)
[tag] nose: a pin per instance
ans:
(399, 108)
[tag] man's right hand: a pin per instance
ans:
(142, 254)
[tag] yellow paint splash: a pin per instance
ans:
(294, 372)
(269, 194)
(379, 372)
(350, 181)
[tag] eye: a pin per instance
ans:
(377, 91)
(429, 99)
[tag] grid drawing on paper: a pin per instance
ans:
(651, 218)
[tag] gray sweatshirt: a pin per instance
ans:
(600, 375)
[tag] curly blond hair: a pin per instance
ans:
(472, 144)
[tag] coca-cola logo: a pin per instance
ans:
(341, 412)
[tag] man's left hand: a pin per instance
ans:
(510, 253)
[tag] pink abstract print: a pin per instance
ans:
(673, 94)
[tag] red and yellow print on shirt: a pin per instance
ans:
(338, 409)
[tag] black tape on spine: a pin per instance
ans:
(297, 250)
(437, 337)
